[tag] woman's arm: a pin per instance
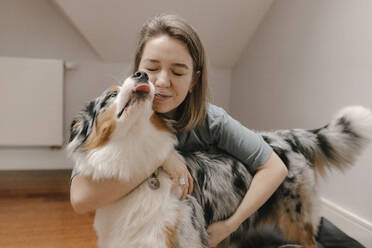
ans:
(176, 168)
(87, 195)
(264, 183)
(267, 179)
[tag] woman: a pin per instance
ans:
(171, 53)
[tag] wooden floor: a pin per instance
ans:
(35, 212)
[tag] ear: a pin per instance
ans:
(103, 127)
(82, 123)
(194, 81)
(75, 127)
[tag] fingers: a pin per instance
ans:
(184, 190)
(181, 177)
(188, 187)
(186, 184)
(191, 183)
(182, 185)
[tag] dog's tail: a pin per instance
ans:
(340, 142)
(335, 145)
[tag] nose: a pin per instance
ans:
(162, 79)
(141, 77)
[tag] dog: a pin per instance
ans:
(117, 135)
(221, 181)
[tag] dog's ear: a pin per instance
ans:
(76, 134)
(103, 126)
(74, 128)
(83, 122)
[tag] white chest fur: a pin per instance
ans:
(141, 217)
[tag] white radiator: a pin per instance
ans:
(31, 102)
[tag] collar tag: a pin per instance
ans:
(154, 181)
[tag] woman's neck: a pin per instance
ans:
(173, 114)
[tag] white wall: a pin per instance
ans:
(220, 85)
(307, 60)
(37, 29)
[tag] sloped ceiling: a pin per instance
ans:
(111, 26)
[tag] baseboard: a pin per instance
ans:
(351, 224)
(34, 182)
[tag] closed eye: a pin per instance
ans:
(177, 74)
(112, 94)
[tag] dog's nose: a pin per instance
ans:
(141, 77)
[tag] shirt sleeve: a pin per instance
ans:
(73, 173)
(232, 137)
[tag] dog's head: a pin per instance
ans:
(117, 110)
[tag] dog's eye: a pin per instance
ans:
(113, 94)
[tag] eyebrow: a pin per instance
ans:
(174, 64)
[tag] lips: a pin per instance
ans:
(161, 97)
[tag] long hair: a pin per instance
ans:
(192, 110)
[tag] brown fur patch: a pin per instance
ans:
(293, 226)
(170, 232)
(159, 123)
(320, 165)
(103, 128)
(296, 224)
(310, 230)
(114, 88)
(76, 124)
(171, 236)
(297, 231)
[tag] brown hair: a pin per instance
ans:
(192, 110)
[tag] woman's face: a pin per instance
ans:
(170, 68)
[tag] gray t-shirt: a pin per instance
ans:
(221, 131)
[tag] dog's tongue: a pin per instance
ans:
(142, 88)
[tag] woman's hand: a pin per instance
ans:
(267, 179)
(219, 231)
(177, 170)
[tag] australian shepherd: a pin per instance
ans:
(117, 135)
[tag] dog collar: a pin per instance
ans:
(154, 181)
